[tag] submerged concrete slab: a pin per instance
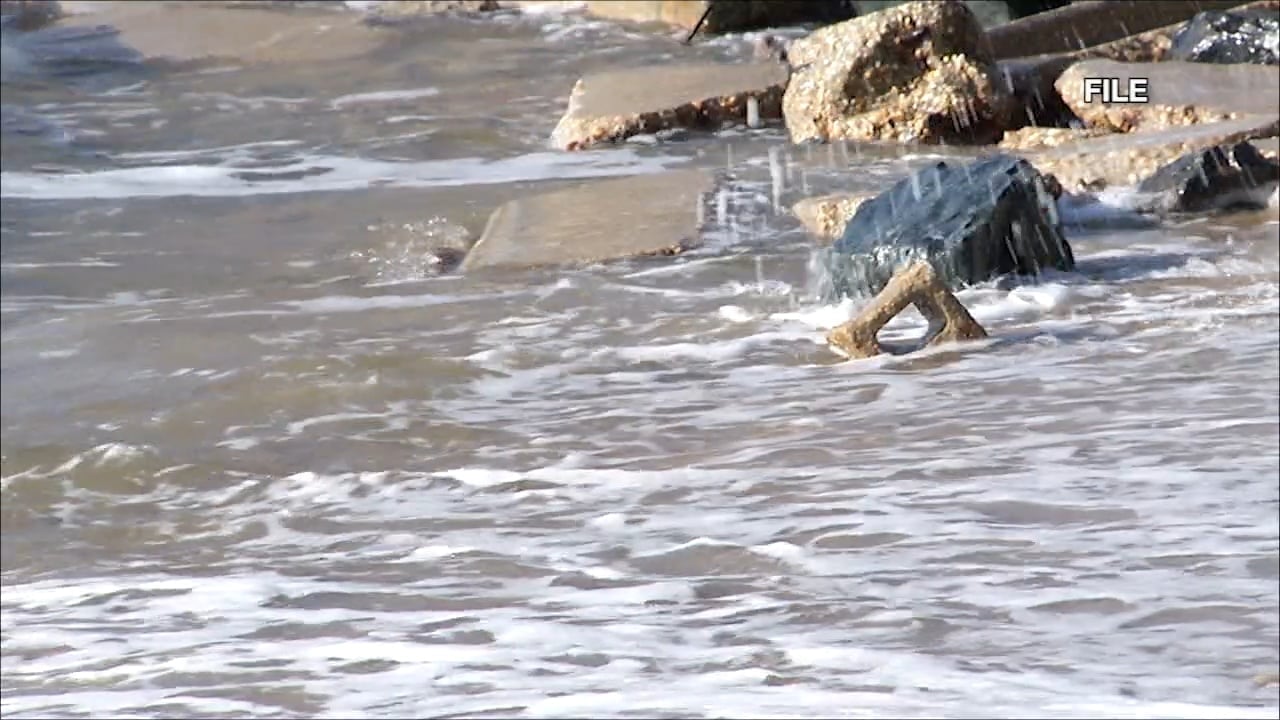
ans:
(616, 104)
(658, 214)
(1180, 93)
(191, 31)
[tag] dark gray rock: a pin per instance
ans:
(972, 223)
(1246, 35)
(1220, 177)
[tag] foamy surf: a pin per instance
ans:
(320, 174)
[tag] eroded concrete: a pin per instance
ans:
(658, 214)
(616, 104)
(919, 285)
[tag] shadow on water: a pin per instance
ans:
(1134, 266)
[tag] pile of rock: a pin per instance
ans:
(918, 72)
(928, 73)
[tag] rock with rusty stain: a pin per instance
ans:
(917, 72)
(825, 216)
(1179, 93)
(918, 285)
(616, 104)
(973, 223)
(656, 214)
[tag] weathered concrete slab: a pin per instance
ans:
(1180, 93)
(1085, 23)
(825, 216)
(616, 104)
(919, 285)
(658, 214)
(733, 16)
(189, 31)
(1125, 159)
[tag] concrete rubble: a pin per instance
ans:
(618, 104)
(916, 285)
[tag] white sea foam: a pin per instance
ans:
(326, 173)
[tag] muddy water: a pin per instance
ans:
(258, 461)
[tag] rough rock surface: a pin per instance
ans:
(658, 214)
(616, 104)
(972, 223)
(1180, 93)
(917, 72)
(1243, 35)
(917, 285)
(825, 216)
(731, 16)
(1222, 176)
(1040, 138)
(1095, 163)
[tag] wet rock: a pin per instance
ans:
(1095, 163)
(29, 14)
(826, 215)
(1223, 176)
(917, 285)
(917, 72)
(658, 214)
(1180, 93)
(770, 48)
(617, 104)
(1085, 24)
(1243, 35)
(971, 222)
(725, 15)
(1030, 82)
